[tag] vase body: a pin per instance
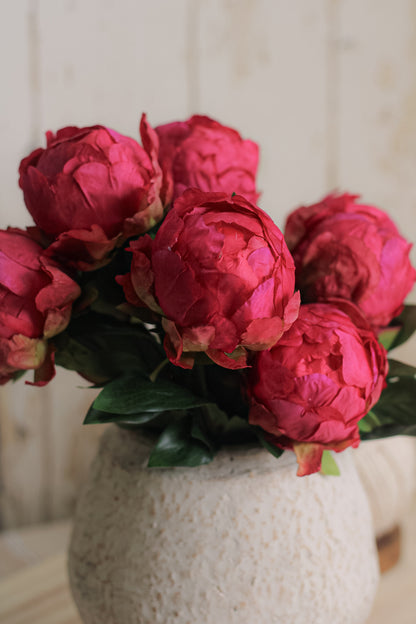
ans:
(387, 468)
(239, 541)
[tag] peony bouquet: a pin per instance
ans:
(153, 273)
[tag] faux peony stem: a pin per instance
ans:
(154, 375)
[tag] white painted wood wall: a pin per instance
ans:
(327, 87)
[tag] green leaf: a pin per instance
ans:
(199, 433)
(274, 450)
(329, 465)
(397, 404)
(400, 369)
(154, 230)
(407, 325)
(395, 412)
(95, 417)
(226, 387)
(133, 394)
(177, 447)
(18, 375)
(73, 355)
(388, 336)
(238, 431)
(101, 349)
(387, 431)
(369, 422)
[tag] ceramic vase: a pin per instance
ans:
(241, 540)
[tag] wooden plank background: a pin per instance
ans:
(328, 89)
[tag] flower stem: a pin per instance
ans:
(206, 411)
(153, 376)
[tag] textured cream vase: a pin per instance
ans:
(239, 541)
(387, 468)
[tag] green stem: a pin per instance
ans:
(206, 410)
(202, 382)
(153, 376)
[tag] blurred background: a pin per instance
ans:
(326, 87)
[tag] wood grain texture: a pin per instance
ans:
(73, 63)
(396, 596)
(374, 44)
(45, 450)
(23, 548)
(108, 61)
(16, 118)
(262, 69)
(376, 82)
(39, 594)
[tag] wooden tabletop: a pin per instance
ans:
(33, 579)
(34, 586)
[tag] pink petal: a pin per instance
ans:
(309, 458)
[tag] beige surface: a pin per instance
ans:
(396, 597)
(45, 451)
(23, 549)
(39, 594)
(33, 581)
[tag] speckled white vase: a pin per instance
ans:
(239, 541)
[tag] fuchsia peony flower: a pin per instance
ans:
(214, 281)
(92, 187)
(36, 301)
(221, 275)
(349, 250)
(202, 153)
(311, 389)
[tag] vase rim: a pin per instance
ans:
(131, 449)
